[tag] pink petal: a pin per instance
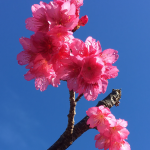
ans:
(27, 44)
(23, 58)
(109, 55)
(92, 111)
(91, 92)
(53, 11)
(70, 82)
(104, 110)
(38, 11)
(125, 146)
(120, 145)
(35, 7)
(97, 136)
(41, 83)
(102, 127)
(92, 69)
(28, 76)
(104, 85)
(78, 3)
(124, 133)
(111, 72)
(77, 47)
(83, 20)
(92, 122)
(36, 25)
(122, 123)
(65, 7)
(111, 119)
(93, 46)
(102, 141)
(72, 23)
(72, 10)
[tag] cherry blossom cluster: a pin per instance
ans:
(53, 54)
(113, 131)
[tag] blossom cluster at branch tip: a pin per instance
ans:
(53, 54)
(113, 131)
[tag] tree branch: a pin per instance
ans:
(65, 141)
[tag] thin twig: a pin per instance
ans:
(71, 114)
(78, 98)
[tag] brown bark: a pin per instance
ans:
(66, 140)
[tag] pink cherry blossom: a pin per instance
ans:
(100, 117)
(102, 142)
(70, 71)
(61, 34)
(41, 83)
(89, 90)
(78, 3)
(39, 22)
(78, 48)
(38, 43)
(118, 131)
(91, 80)
(83, 20)
(92, 69)
(53, 54)
(110, 72)
(93, 46)
(43, 55)
(83, 75)
(63, 14)
(53, 46)
(40, 67)
(25, 57)
(46, 45)
(95, 71)
(120, 145)
(63, 53)
(43, 73)
(90, 47)
(109, 56)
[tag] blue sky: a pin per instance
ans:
(30, 119)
